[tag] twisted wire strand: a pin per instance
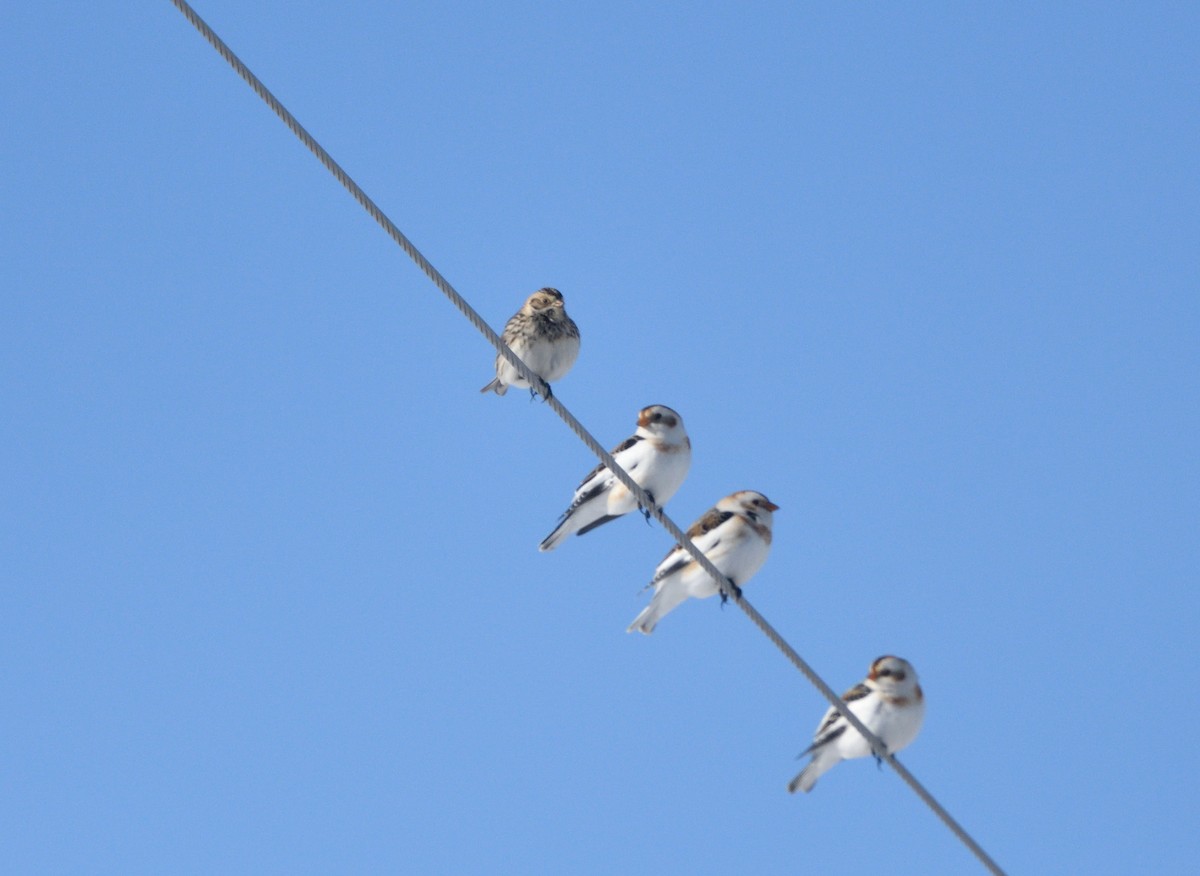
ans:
(726, 586)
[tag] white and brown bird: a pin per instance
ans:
(543, 337)
(735, 535)
(891, 705)
(657, 456)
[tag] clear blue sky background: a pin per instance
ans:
(271, 601)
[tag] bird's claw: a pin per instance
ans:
(646, 511)
(735, 590)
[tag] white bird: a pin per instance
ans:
(891, 705)
(735, 535)
(543, 337)
(657, 457)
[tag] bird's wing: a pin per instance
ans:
(600, 478)
(833, 724)
(706, 533)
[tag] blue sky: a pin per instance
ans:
(271, 599)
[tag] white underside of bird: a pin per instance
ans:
(549, 360)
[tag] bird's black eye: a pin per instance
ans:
(656, 416)
(884, 672)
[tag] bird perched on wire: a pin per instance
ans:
(735, 535)
(657, 456)
(891, 705)
(543, 337)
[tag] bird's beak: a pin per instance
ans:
(644, 418)
(769, 505)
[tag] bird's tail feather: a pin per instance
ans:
(557, 537)
(645, 621)
(600, 522)
(806, 779)
(665, 601)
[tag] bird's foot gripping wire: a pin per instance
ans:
(646, 511)
(736, 591)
